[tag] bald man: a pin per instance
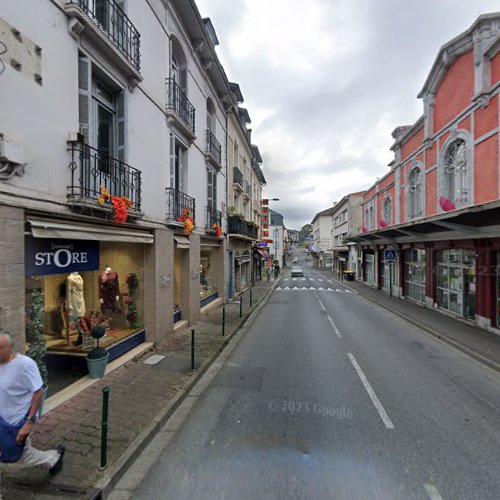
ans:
(21, 391)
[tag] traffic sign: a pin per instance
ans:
(390, 255)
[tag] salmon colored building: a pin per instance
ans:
(439, 205)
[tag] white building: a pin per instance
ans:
(119, 97)
(276, 234)
(321, 247)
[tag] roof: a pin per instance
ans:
(244, 116)
(256, 153)
(324, 213)
(235, 88)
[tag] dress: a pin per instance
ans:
(74, 295)
(109, 289)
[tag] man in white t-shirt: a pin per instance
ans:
(21, 392)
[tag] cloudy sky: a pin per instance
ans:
(326, 82)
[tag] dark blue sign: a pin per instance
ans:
(46, 256)
(390, 255)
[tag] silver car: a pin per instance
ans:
(297, 271)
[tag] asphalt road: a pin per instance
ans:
(330, 396)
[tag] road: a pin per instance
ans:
(329, 396)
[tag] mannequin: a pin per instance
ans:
(75, 302)
(74, 295)
(109, 290)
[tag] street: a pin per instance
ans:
(330, 396)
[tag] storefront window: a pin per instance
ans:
(208, 274)
(81, 284)
(456, 281)
(369, 268)
(415, 274)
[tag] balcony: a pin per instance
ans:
(241, 228)
(176, 203)
(109, 27)
(247, 189)
(91, 169)
(179, 109)
(238, 180)
(213, 150)
(213, 216)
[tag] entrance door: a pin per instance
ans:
(469, 293)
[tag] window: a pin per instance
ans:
(455, 171)
(177, 157)
(415, 193)
(210, 115)
(235, 154)
(371, 218)
(415, 274)
(387, 210)
(211, 189)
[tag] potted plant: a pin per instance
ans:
(232, 209)
(97, 358)
(37, 343)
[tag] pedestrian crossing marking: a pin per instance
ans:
(311, 279)
(285, 279)
(312, 289)
(319, 279)
(302, 279)
(294, 279)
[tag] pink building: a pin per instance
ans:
(439, 205)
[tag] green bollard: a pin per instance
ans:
(104, 427)
(192, 350)
(223, 320)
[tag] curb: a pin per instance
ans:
(429, 331)
(107, 482)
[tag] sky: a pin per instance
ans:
(327, 81)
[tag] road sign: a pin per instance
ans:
(390, 255)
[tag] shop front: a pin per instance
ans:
(415, 274)
(211, 268)
(369, 267)
(456, 281)
(78, 277)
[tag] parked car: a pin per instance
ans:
(297, 271)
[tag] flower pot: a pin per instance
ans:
(97, 367)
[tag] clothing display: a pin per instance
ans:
(109, 291)
(75, 303)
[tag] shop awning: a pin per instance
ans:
(46, 228)
(181, 242)
(263, 253)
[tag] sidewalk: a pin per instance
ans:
(142, 398)
(480, 344)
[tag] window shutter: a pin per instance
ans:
(209, 188)
(172, 161)
(84, 92)
(181, 170)
(120, 125)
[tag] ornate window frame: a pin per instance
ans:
(387, 217)
(415, 165)
(442, 185)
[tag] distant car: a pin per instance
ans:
(297, 271)
(295, 261)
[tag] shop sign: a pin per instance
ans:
(47, 256)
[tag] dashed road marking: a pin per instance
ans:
(376, 402)
(432, 491)
(334, 326)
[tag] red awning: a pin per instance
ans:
(263, 253)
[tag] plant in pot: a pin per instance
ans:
(97, 358)
(36, 339)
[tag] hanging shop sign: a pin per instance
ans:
(54, 256)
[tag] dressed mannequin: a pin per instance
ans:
(74, 295)
(75, 302)
(109, 290)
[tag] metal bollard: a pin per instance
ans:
(241, 305)
(223, 320)
(192, 350)
(104, 427)
(250, 298)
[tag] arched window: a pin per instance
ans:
(372, 220)
(415, 193)
(367, 218)
(178, 66)
(387, 210)
(455, 171)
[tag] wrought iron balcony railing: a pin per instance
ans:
(177, 202)
(91, 169)
(214, 216)
(178, 102)
(237, 225)
(213, 146)
(110, 19)
(237, 177)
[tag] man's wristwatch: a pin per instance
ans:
(32, 419)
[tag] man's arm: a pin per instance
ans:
(26, 429)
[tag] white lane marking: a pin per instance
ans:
(335, 329)
(347, 291)
(329, 290)
(311, 279)
(294, 279)
(285, 279)
(286, 288)
(279, 288)
(312, 288)
(302, 279)
(432, 491)
(338, 290)
(321, 304)
(376, 402)
(321, 289)
(319, 279)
